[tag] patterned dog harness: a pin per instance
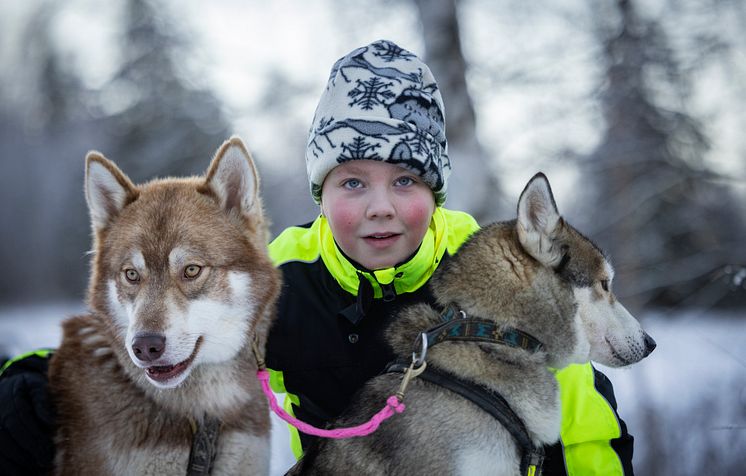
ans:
(465, 328)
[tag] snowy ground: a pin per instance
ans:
(700, 360)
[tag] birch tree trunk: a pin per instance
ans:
(472, 186)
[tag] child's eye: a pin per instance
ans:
(404, 181)
(352, 183)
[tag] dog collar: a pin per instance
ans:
(204, 446)
(457, 325)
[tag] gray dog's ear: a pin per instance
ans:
(538, 221)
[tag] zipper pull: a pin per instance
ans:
(389, 292)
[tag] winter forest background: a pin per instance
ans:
(635, 110)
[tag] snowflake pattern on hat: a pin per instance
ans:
(381, 103)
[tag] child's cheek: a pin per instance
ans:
(418, 211)
(345, 217)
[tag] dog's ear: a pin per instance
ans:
(232, 177)
(539, 221)
(107, 190)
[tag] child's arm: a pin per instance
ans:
(26, 416)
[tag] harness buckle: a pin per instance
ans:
(534, 462)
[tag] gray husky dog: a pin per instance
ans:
(520, 297)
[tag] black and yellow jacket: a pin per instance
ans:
(327, 341)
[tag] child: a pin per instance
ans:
(378, 167)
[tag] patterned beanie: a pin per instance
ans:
(381, 103)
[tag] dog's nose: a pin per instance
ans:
(649, 344)
(148, 347)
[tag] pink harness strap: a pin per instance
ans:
(393, 405)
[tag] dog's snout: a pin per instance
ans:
(649, 344)
(148, 347)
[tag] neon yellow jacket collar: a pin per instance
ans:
(406, 277)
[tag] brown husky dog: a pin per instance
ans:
(535, 294)
(159, 377)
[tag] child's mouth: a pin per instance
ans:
(381, 239)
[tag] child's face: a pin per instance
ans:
(378, 212)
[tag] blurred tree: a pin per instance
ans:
(473, 186)
(165, 125)
(149, 119)
(42, 130)
(666, 219)
(285, 190)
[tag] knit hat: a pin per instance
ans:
(381, 103)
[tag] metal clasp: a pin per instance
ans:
(420, 359)
(415, 368)
(412, 372)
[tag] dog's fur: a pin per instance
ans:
(183, 259)
(506, 273)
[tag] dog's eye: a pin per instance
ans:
(192, 271)
(131, 275)
(605, 285)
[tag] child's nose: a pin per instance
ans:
(380, 206)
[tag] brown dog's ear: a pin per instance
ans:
(107, 190)
(538, 221)
(233, 178)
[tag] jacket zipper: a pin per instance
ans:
(389, 292)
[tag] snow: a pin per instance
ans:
(711, 349)
(690, 392)
(700, 360)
